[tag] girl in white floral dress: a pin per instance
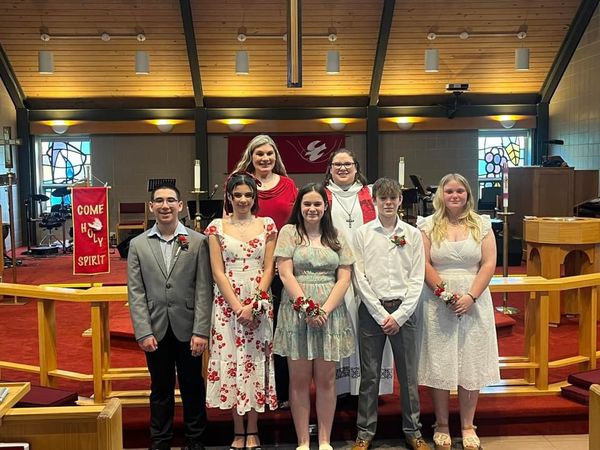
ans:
(240, 370)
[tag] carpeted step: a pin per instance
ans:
(576, 394)
(585, 379)
(41, 396)
(504, 324)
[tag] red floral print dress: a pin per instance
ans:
(240, 369)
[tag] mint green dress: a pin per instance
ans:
(315, 270)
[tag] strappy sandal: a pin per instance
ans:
(471, 442)
(441, 441)
(239, 448)
(255, 447)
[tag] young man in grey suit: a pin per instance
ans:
(170, 300)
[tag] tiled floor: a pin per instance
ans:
(569, 441)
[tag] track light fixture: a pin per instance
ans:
(46, 57)
(242, 66)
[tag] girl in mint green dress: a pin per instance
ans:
(314, 328)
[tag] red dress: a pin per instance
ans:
(277, 202)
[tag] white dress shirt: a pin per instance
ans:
(384, 271)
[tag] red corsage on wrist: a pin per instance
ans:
(261, 303)
(307, 306)
(446, 296)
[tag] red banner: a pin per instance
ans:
(300, 153)
(90, 230)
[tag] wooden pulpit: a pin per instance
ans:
(562, 246)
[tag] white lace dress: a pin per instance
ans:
(457, 351)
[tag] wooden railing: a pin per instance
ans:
(534, 362)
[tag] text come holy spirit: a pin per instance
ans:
(91, 228)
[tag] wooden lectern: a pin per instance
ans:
(562, 246)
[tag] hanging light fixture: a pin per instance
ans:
(45, 62)
(522, 59)
(432, 60)
(242, 64)
(333, 62)
(142, 62)
(45, 57)
(333, 57)
(142, 58)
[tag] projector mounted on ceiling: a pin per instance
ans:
(457, 87)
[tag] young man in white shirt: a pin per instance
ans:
(388, 277)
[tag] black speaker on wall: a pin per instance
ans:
(123, 247)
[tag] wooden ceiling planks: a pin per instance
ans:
(89, 67)
(94, 69)
(486, 63)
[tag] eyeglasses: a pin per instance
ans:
(345, 165)
(169, 201)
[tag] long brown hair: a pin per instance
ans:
(329, 234)
(245, 163)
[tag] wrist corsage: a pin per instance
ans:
(446, 296)
(307, 306)
(261, 302)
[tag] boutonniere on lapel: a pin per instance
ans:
(184, 243)
(398, 241)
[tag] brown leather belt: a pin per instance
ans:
(393, 303)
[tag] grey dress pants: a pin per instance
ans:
(405, 348)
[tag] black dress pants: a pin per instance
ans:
(170, 358)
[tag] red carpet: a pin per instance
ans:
(495, 415)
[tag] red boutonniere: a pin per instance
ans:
(183, 241)
(398, 241)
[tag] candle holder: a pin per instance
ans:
(505, 309)
(198, 216)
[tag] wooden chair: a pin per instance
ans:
(132, 216)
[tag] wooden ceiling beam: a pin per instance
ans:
(8, 77)
(567, 49)
(192, 51)
(387, 17)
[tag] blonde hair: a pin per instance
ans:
(468, 217)
(245, 162)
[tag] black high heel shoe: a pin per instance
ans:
(256, 447)
(239, 448)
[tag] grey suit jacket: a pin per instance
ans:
(182, 296)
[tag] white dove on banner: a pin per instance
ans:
(95, 225)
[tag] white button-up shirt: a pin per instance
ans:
(384, 271)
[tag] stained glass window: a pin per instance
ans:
(497, 148)
(63, 162)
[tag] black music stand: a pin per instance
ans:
(209, 210)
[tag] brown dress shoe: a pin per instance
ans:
(361, 444)
(417, 443)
